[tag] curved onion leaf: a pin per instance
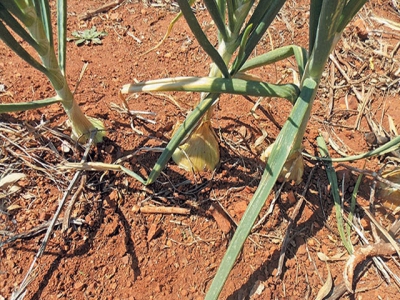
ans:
(216, 85)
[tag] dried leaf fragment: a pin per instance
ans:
(327, 287)
(390, 196)
(13, 207)
(10, 179)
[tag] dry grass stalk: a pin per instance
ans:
(161, 210)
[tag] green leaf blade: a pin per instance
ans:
(23, 106)
(283, 146)
(335, 195)
(216, 85)
(202, 38)
(62, 33)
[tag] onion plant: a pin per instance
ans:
(240, 26)
(30, 20)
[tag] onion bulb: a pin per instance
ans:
(293, 168)
(200, 152)
(390, 195)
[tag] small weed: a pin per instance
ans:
(88, 36)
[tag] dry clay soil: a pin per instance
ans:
(114, 251)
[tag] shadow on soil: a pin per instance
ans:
(299, 234)
(88, 245)
(165, 188)
(303, 231)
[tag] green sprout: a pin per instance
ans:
(88, 36)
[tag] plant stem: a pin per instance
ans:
(226, 50)
(81, 125)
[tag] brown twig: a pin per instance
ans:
(161, 210)
(372, 210)
(22, 288)
(71, 204)
(91, 13)
(344, 74)
(379, 263)
(384, 232)
(373, 175)
(292, 223)
(366, 99)
(270, 209)
(394, 229)
(37, 230)
(342, 149)
(340, 289)
(331, 89)
(362, 254)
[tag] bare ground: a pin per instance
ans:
(114, 251)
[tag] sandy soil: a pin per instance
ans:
(115, 252)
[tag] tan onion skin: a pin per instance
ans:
(201, 151)
(389, 196)
(293, 168)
